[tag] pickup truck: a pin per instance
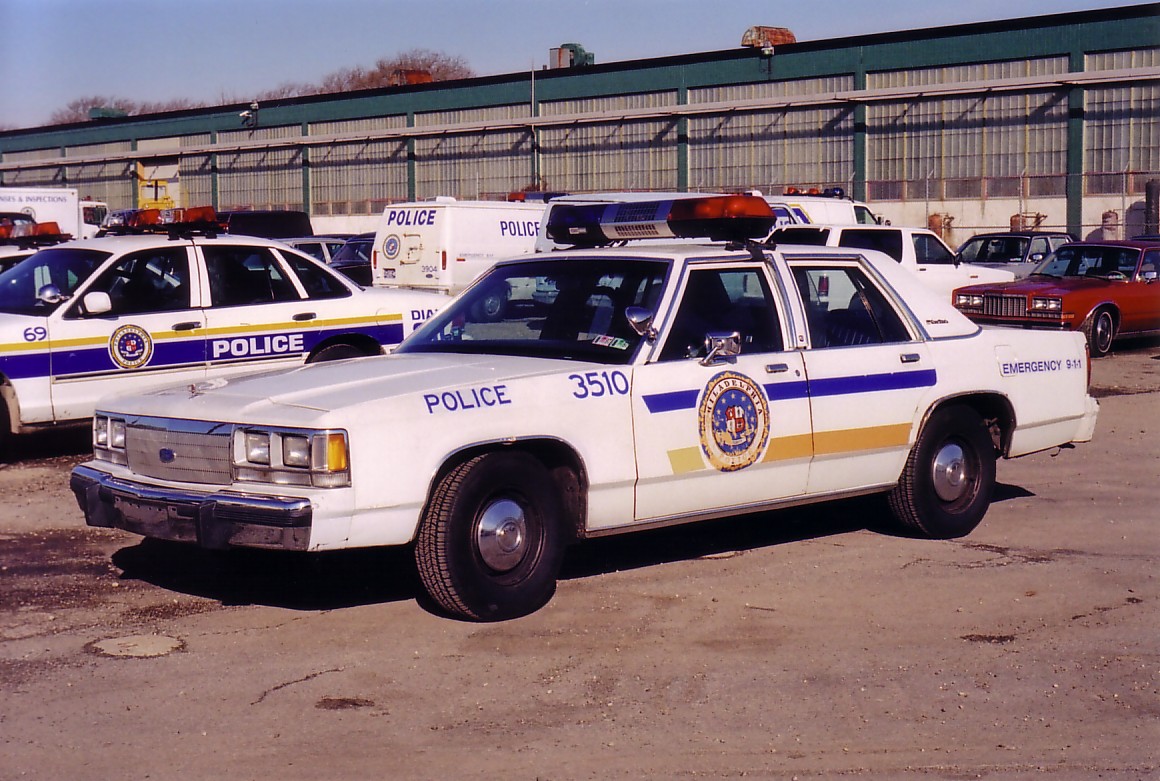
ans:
(917, 249)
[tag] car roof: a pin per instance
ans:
(131, 241)
(1122, 243)
(1030, 234)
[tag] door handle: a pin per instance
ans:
(910, 357)
(304, 316)
(776, 368)
(189, 325)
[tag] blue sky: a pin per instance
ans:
(224, 51)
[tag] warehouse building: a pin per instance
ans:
(1050, 122)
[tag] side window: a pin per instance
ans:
(888, 241)
(724, 300)
(317, 281)
(246, 275)
(1151, 263)
(928, 249)
(1038, 247)
(843, 308)
(151, 281)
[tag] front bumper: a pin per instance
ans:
(213, 520)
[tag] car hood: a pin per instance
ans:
(307, 395)
(1041, 286)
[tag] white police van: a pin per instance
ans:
(444, 244)
(170, 301)
(664, 383)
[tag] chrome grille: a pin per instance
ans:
(1005, 306)
(181, 450)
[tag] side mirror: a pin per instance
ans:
(50, 294)
(97, 303)
(720, 345)
(640, 320)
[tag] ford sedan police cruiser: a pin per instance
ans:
(662, 384)
(84, 319)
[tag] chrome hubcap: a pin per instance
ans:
(502, 534)
(951, 476)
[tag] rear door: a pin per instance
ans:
(867, 370)
(257, 316)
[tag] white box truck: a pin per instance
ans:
(79, 217)
(445, 243)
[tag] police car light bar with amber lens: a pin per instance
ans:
(712, 217)
(28, 234)
(199, 219)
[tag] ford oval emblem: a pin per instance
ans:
(166, 455)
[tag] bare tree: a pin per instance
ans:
(416, 65)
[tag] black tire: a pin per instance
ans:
(491, 308)
(1100, 330)
(491, 541)
(5, 433)
(336, 352)
(946, 485)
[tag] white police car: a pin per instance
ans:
(84, 319)
(662, 384)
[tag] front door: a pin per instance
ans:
(154, 334)
(731, 434)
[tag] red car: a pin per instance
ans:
(1107, 288)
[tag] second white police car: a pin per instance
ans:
(658, 385)
(170, 301)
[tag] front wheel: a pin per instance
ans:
(491, 541)
(1100, 330)
(946, 485)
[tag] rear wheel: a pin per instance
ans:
(946, 485)
(1100, 330)
(5, 432)
(491, 541)
(336, 352)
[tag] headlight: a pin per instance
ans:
(109, 439)
(258, 447)
(968, 301)
(1047, 305)
(292, 457)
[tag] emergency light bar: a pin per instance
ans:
(829, 192)
(29, 234)
(194, 219)
(713, 217)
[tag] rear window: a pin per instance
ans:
(888, 241)
(268, 224)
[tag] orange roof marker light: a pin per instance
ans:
(712, 217)
(199, 219)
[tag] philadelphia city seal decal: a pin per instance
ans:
(391, 246)
(734, 421)
(131, 347)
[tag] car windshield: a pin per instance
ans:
(67, 269)
(1089, 261)
(353, 250)
(553, 308)
(994, 249)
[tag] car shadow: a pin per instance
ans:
(66, 441)
(297, 581)
(364, 576)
